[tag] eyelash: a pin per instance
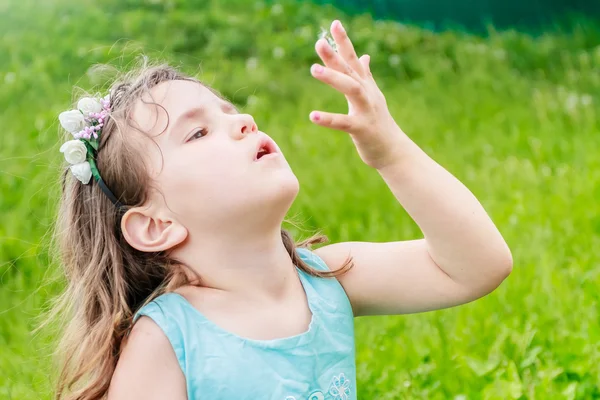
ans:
(203, 131)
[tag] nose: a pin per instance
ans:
(245, 125)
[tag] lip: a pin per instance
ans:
(268, 144)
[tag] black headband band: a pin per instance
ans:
(108, 192)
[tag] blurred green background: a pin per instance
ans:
(475, 15)
(513, 115)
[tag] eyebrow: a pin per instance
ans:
(186, 116)
(198, 112)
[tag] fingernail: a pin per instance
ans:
(317, 69)
(341, 26)
(314, 116)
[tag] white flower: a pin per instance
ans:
(500, 54)
(278, 52)
(252, 100)
(10, 77)
(82, 171)
(340, 388)
(89, 105)
(572, 102)
(251, 63)
(394, 60)
(75, 151)
(72, 121)
(586, 99)
(276, 9)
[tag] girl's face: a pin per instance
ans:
(212, 166)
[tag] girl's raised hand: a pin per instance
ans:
(376, 135)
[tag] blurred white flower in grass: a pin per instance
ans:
(276, 9)
(400, 26)
(394, 60)
(252, 100)
(391, 39)
(499, 54)
(251, 63)
(488, 149)
(586, 100)
(546, 170)
(40, 123)
(10, 77)
(278, 53)
(305, 32)
(584, 59)
(575, 101)
(478, 48)
(380, 24)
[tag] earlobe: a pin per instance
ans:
(151, 233)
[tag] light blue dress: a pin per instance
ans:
(318, 364)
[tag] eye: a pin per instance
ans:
(198, 133)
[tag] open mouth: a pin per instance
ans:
(265, 147)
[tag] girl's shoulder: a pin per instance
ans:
(325, 292)
(147, 374)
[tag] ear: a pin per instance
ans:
(148, 231)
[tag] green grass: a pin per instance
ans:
(514, 117)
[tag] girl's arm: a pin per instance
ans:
(148, 368)
(462, 256)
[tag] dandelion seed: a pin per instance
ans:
(325, 35)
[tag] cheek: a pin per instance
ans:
(207, 179)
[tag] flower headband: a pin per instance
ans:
(85, 124)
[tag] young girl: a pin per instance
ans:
(182, 284)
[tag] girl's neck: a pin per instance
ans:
(256, 267)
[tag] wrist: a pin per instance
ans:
(399, 152)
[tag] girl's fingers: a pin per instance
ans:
(341, 122)
(350, 87)
(365, 60)
(333, 60)
(346, 48)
